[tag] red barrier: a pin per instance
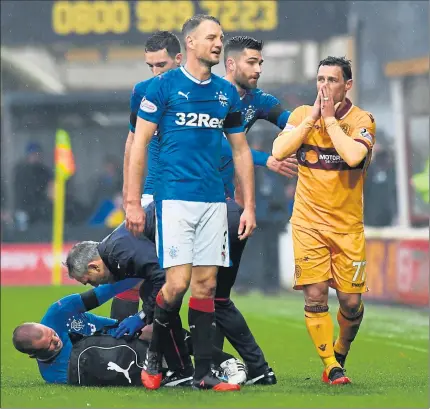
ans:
(30, 264)
(398, 271)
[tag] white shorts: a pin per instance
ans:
(145, 200)
(191, 233)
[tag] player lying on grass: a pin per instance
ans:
(73, 346)
(243, 66)
(333, 140)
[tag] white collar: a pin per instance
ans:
(194, 79)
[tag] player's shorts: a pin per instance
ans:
(191, 233)
(146, 199)
(337, 258)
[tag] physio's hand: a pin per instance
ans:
(129, 326)
(135, 217)
(286, 167)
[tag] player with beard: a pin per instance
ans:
(243, 63)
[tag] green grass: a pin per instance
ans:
(388, 363)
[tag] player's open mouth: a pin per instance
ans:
(216, 52)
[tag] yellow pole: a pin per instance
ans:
(58, 224)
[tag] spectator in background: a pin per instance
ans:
(109, 181)
(380, 189)
(32, 179)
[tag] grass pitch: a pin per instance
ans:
(388, 363)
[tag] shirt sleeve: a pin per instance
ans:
(97, 322)
(107, 291)
(64, 308)
(259, 158)
(282, 118)
(135, 99)
(273, 111)
(154, 103)
(364, 131)
(295, 118)
(233, 122)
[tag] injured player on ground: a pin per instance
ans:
(72, 346)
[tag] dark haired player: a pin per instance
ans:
(333, 140)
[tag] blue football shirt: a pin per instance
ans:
(191, 116)
(137, 95)
(63, 318)
(68, 315)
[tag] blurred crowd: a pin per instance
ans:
(33, 192)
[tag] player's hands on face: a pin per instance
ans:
(328, 107)
(316, 109)
(135, 218)
(287, 167)
(247, 224)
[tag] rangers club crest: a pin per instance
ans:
(222, 98)
(249, 113)
(75, 325)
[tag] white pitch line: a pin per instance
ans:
(398, 344)
(380, 340)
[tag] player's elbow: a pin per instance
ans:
(354, 158)
(277, 154)
(353, 162)
(279, 149)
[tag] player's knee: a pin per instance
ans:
(204, 287)
(316, 294)
(350, 303)
(175, 290)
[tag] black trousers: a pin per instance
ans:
(229, 320)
